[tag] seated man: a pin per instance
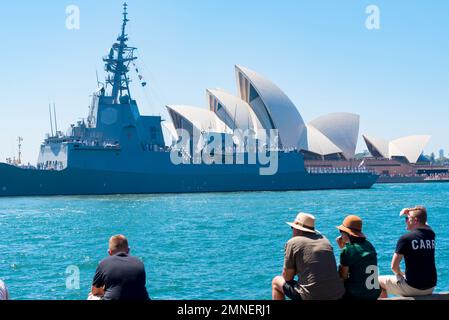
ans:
(3, 291)
(417, 248)
(310, 256)
(120, 276)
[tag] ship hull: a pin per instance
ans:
(73, 181)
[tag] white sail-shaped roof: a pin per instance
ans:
(377, 147)
(273, 108)
(410, 147)
(340, 128)
(319, 144)
(201, 119)
(233, 111)
(170, 134)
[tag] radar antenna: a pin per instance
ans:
(51, 119)
(56, 119)
(118, 61)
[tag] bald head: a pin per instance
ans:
(118, 244)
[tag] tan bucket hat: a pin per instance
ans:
(353, 226)
(304, 222)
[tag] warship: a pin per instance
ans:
(116, 150)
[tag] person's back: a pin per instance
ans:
(123, 278)
(313, 257)
(359, 257)
(418, 249)
(119, 276)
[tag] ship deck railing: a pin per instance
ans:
(320, 170)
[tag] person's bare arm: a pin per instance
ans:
(343, 272)
(98, 292)
(288, 274)
(396, 264)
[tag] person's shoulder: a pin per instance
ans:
(346, 249)
(135, 259)
(106, 261)
(367, 243)
(296, 242)
(321, 237)
(367, 246)
(426, 233)
(293, 241)
(429, 230)
(347, 254)
(351, 249)
(407, 236)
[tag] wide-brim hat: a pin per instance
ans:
(352, 225)
(304, 222)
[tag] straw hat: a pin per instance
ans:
(304, 222)
(353, 226)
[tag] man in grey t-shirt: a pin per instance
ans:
(310, 256)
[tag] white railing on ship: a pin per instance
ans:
(319, 170)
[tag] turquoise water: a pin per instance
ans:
(202, 246)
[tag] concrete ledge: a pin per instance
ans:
(436, 296)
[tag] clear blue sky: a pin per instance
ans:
(318, 52)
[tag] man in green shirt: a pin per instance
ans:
(358, 262)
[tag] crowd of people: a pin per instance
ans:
(310, 257)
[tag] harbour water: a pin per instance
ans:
(196, 246)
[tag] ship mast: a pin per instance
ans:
(118, 61)
(19, 160)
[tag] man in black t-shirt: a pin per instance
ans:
(417, 248)
(120, 276)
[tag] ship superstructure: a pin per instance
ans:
(113, 122)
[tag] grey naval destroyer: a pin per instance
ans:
(119, 151)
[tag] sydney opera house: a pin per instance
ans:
(328, 141)
(261, 105)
